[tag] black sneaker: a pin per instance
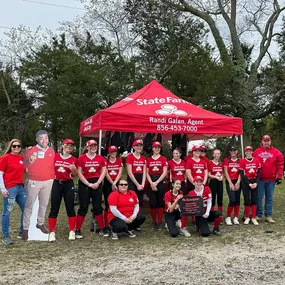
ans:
(130, 234)
(217, 232)
(159, 226)
(106, 232)
(138, 229)
(78, 234)
(114, 236)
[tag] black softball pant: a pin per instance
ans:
(216, 187)
(62, 189)
(156, 198)
(202, 223)
(249, 195)
(107, 190)
(234, 196)
(171, 219)
(132, 186)
(118, 225)
(86, 193)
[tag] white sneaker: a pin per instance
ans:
(246, 222)
(71, 235)
(166, 227)
(51, 237)
(178, 223)
(185, 233)
(228, 221)
(235, 220)
(255, 222)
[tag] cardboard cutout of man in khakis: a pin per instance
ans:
(39, 164)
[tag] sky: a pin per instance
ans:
(32, 14)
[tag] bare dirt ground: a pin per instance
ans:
(242, 255)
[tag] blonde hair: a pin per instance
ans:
(9, 145)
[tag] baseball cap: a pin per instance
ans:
(66, 141)
(266, 138)
(137, 142)
(154, 144)
(232, 148)
(112, 148)
(202, 147)
(248, 148)
(197, 178)
(196, 147)
(91, 142)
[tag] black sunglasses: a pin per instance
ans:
(16, 145)
(203, 150)
(123, 184)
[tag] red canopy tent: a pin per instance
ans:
(154, 109)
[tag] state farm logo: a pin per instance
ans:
(168, 109)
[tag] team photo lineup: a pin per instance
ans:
(117, 190)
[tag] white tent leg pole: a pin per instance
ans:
(100, 141)
(242, 147)
(80, 145)
(187, 147)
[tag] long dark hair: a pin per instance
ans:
(173, 182)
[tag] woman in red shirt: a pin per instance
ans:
(249, 172)
(123, 214)
(12, 186)
(156, 172)
(136, 169)
(231, 170)
(91, 172)
(114, 173)
(63, 187)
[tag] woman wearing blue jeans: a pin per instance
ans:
(12, 186)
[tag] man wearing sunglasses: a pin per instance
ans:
(39, 163)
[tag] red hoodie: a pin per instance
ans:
(272, 163)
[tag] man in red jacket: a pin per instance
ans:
(272, 164)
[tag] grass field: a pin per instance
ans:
(242, 255)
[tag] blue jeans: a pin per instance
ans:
(16, 194)
(265, 188)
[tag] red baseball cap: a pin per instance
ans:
(266, 138)
(248, 148)
(112, 148)
(202, 147)
(154, 144)
(198, 178)
(196, 147)
(66, 141)
(91, 142)
(137, 142)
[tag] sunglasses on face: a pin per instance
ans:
(203, 150)
(16, 145)
(123, 184)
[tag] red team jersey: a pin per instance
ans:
(61, 166)
(137, 163)
(124, 202)
(155, 166)
(215, 169)
(13, 168)
(233, 167)
(206, 195)
(197, 168)
(176, 170)
(114, 167)
(250, 167)
(91, 168)
(169, 197)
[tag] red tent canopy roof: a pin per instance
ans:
(154, 109)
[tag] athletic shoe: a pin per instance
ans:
(217, 232)
(154, 225)
(185, 233)
(106, 232)
(51, 237)
(7, 240)
(130, 233)
(255, 222)
(159, 226)
(78, 234)
(19, 236)
(235, 220)
(138, 229)
(25, 235)
(166, 227)
(228, 221)
(269, 220)
(114, 236)
(42, 228)
(71, 235)
(258, 218)
(178, 224)
(246, 221)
